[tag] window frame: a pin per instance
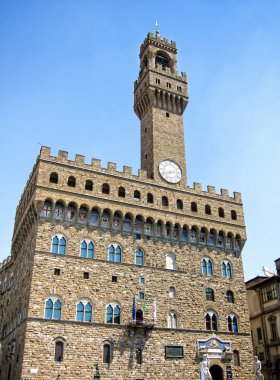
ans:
(61, 248)
(54, 300)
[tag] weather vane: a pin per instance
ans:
(157, 31)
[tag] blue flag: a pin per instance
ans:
(133, 308)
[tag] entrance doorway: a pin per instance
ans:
(277, 369)
(139, 317)
(217, 372)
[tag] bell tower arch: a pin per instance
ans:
(160, 98)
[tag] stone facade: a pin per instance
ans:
(263, 294)
(190, 240)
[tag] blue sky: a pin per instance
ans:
(66, 81)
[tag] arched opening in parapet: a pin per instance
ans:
(139, 316)
(162, 59)
(216, 372)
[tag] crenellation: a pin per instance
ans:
(197, 186)
(237, 197)
(142, 174)
(96, 163)
(79, 159)
(45, 152)
(127, 170)
(211, 190)
(63, 155)
(225, 193)
(112, 167)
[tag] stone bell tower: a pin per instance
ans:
(160, 98)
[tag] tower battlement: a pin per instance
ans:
(159, 42)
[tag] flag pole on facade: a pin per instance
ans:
(145, 306)
(134, 308)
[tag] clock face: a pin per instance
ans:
(170, 171)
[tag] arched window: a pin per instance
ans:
(211, 321)
(230, 296)
(71, 181)
(207, 267)
(53, 177)
(162, 59)
(58, 352)
(105, 188)
(58, 244)
(107, 353)
(236, 358)
(121, 192)
(89, 185)
(221, 212)
(164, 201)
(87, 249)
(172, 292)
(207, 210)
(150, 198)
(136, 195)
(84, 311)
(115, 253)
(53, 308)
(193, 207)
(172, 320)
(233, 215)
(226, 269)
(47, 209)
(232, 323)
(139, 256)
(113, 313)
(209, 294)
(170, 261)
(179, 204)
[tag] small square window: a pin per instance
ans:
(167, 114)
(114, 279)
(141, 280)
(141, 295)
(56, 272)
(138, 237)
(86, 275)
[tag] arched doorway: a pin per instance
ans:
(277, 369)
(10, 372)
(139, 316)
(216, 372)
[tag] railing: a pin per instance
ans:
(141, 323)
